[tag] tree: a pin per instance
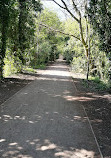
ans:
(4, 20)
(100, 18)
(26, 8)
(74, 48)
(75, 11)
(46, 37)
(17, 27)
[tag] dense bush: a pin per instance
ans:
(12, 64)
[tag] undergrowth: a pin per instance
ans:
(29, 70)
(41, 66)
(95, 84)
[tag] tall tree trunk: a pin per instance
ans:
(88, 59)
(3, 43)
(87, 39)
(3, 50)
(21, 25)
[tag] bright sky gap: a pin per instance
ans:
(52, 6)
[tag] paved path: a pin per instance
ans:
(45, 120)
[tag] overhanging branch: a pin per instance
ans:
(76, 9)
(59, 4)
(67, 9)
(67, 34)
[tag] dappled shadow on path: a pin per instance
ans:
(45, 120)
(98, 108)
(16, 142)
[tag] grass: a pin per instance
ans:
(29, 70)
(33, 69)
(9, 70)
(95, 84)
(41, 66)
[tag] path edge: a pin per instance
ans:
(89, 122)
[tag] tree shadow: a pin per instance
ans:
(46, 120)
(98, 108)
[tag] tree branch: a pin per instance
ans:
(58, 4)
(78, 20)
(76, 9)
(50, 28)
(66, 8)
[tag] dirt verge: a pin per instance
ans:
(98, 108)
(9, 86)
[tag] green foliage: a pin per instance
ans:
(100, 16)
(26, 24)
(17, 27)
(72, 27)
(79, 64)
(4, 20)
(29, 70)
(99, 62)
(12, 65)
(95, 84)
(50, 18)
(26, 42)
(95, 79)
(40, 66)
(74, 48)
(44, 50)
(68, 55)
(47, 40)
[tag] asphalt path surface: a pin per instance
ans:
(46, 120)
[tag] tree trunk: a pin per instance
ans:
(88, 64)
(3, 45)
(22, 21)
